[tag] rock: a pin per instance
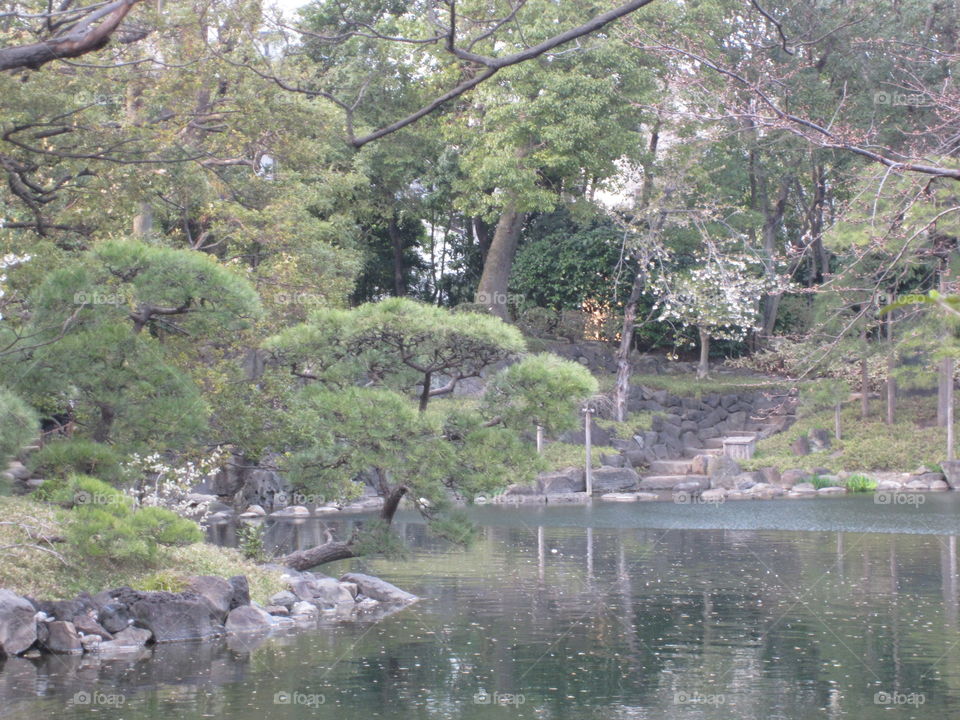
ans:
(713, 495)
(18, 626)
(917, 485)
(831, 490)
(619, 497)
(304, 608)
(248, 619)
(87, 625)
(771, 475)
(612, 460)
(939, 485)
(929, 478)
(18, 471)
(128, 639)
(568, 480)
(278, 609)
(284, 598)
(517, 489)
(789, 478)
(114, 617)
(800, 446)
(255, 510)
(889, 485)
(820, 440)
(951, 472)
(292, 511)
(171, 617)
(633, 458)
(699, 465)
(691, 487)
(216, 591)
(330, 591)
(805, 488)
(722, 471)
(598, 436)
(378, 589)
(611, 479)
(90, 643)
(241, 591)
(63, 638)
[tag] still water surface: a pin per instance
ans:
(837, 608)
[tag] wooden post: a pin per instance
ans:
(588, 442)
(539, 439)
(950, 441)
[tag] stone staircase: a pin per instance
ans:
(690, 472)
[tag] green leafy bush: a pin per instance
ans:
(104, 525)
(819, 482)
(64, 458)
(18, 424)
(860, 483)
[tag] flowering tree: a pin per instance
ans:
(719, 296)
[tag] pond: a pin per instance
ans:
(768, 609)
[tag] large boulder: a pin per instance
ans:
(248, 619)
(330, 591)
(951, 471)
(63, 638)
(568, 480)
(171, 617)
(789, 478)
(722, 471)
(801, 446)
(216, 591)
(114, 617)
(612, 479)
(18, 626)
(374, 587)
(820, 440)
(87, 624)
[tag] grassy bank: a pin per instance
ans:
(912, 442)
(30, 571)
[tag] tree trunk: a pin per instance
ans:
(318, 555)
(492, 290)
(396, 242)
(425, 393)
(943, 387)
(622, 389)
(864, 389)
(836, 420)
(107, 415)
(703, 369)
(334, 550)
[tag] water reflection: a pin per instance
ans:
(555, 620)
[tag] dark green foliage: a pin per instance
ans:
(62, 458)
(18, 424)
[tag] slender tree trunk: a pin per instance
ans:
(495, 280)
(622, 389)
(107, 415)
(864, 381)
(396, 242)
(703, 369)
(425, 393)
(836, 420)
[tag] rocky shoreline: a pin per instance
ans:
(123, 620)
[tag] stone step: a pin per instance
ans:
(713, 443)
(669, 482)
(670, 467)
(692, 452)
